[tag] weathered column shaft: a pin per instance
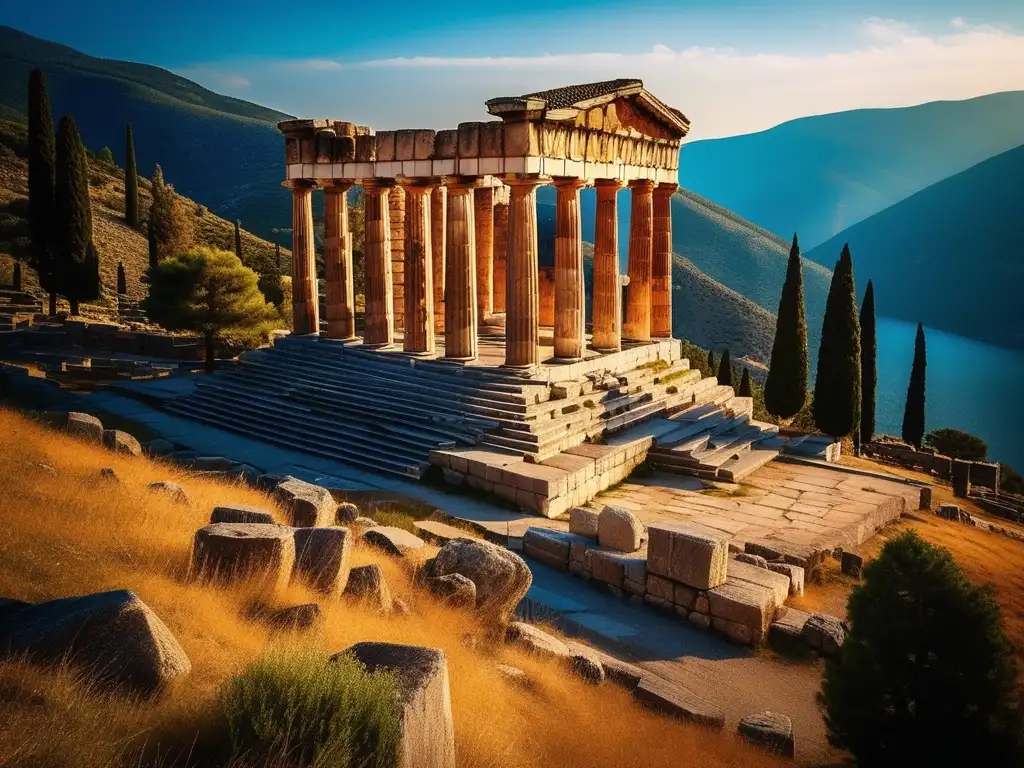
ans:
(460, 304)
(305, 296)
(438, 239)
(637, 326)
(607, 294)
(569, 298)
(419, 272)
(338, 263)
(500, 253)
(483, 205)
(521, 288)
(380, 328)
(396, 212)
(661, 267)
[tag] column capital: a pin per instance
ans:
(459, 184)
(294, 184)
(665, 189)
(615, 184)
(418, 184)
(643, 185)
(335, 186)
(375, 186)
(527, 180)
(568, 182)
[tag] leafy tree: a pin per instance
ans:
(76, 264)
(172, 226)
(837, 386)
(745, 388)
(712, 369)
(209, 292)
(868, 364)
(42, 159)
(913, 413)
(122, 281)
(106, 157)
(785, 391)
(957, 444)
(238, 240)
(725, 369)
(926, 675)
(131, 180)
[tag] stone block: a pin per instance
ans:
(925, 501)
(241, 513)
(699, 620)
(961, 478)
(824, 634)
(491, 134)
(659, 587)
(170, 490)
(675, 701)
(522, 139)
(608, 567)
(454, 589)
(367, 585)
(794, 573)
(619, 529)
(852, 564)
(785, 634)
(550, 547)
(749, 559)
(502, 577)
(584, 522)
(469, 140)
(743, 603)
(446, 144)
(776, 582)
(738, 633)
(423, 145)
(307, 505)
(536, 641)
(405, 144)
(322, 557)
(688, 555)
(985, 474)
(121, 442)
(685, 597)
(396, 542)
(366, 149)
(386, 146)
(770, 731)
(344, 149)
(85, 425)
(230, 552)
(631, 587)
(658, 602)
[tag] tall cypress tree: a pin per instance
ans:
(868, 365)
(122, 279)
(745, 388)
(238, 239)
(16, 277)
(41, 180)
(837, 386)
(712, 370)
(785, 391)
(77, 265)
(131, 180)
(913, 413)
(280, 267)
(725, 369)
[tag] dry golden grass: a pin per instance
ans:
(73, 533)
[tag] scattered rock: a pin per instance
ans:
(536, 641)
(515, 675)
(795, 574)
(308, 505)
(623, 674)
(113, 635)
(675, 701)
(366, 584)
(241, 513)
(231, 552)
(159, 447)
(293, 617)
(786, 633)
(400, 607)
(109, 473)
(852, 564)
(584, 522)
(347, 513)
(364, 522)
(322, 557)
(586, 664)
(454, 589)
(121, 442)
(619, 529)
(86, 426)
(769, 730)
(267, 482)
(174, 491)
(396, 542)
(687, 554)
(502, 578)
(824, 634)
(746, 557)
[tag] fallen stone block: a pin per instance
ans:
(291, 618)
(770, 731)
(585, 664)
(622, 673)
(367, 585)
(688, 555)
(307, 505)
(231, 552)
(778, 583)
(454, 589)
(121, 442)
(794, 573)
(551, 547)
(502, 578)
(736, 632)
(583, 522)
(749, 559)
(619, 529)
(347, 513)
(86, 426)
(675, 701)
(745, 604)
(241, 513)
(172, 490)
(536, 641)
(364, 523)
(852, 564)
(925, 501)
(515, 675)
(785, 634)
(393, 541)
(805, 556)
(824, 634)
(699, 620)
(322, 558)
(424, 700)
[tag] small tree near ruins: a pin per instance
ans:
(836, 404)
(171, 225)
(913, 412)
(785, 391)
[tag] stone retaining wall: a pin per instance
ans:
(980, 473)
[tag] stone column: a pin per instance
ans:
(483, 203)
(380, 310)
(460, 302)
(341, 318)
(569, 320)
(521, 287)
(637, 325)
(438, 239)
(419, 270)
(607, 301)
(500, 249)
(396, 210)
(305, 296)
(661, 266)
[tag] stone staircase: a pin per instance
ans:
(17, 309)
(128, 310)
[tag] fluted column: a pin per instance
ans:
(661, 266)
(483, 204)
(569, 322)
(380, 311)
(637, 325)
(419, 271)
(338, 262)
(607, 294)
(305, 296)
(460, 302)
(500, 248)
(438, 239)
(522, 308)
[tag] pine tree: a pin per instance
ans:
(725, 369)
(41, 180)
(837, 386)
(172, 226)
(712, 370)
(868, 365)
(745, 388)
(16, 277)
(913, 414)
(785, 391)
(131, 181)
(238, 239)
(122, 280)
(76, 262)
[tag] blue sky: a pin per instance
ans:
(732, 65)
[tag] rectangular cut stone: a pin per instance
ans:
(307, 150)
(659, 587)
(521, 139)
(672, 699)
(606, 567)
(469, 140)
(778, 583)
(583, 521)
(491, 139)
(744, 603)
(469, 166)
(548, 482)
(446, 144)
(687, 554)
(684, 596)
(344, 149)
(366, 149)
(492, 165)
(405, 144)
(386, 146)
(550, 547)
(423, 145)
(291, 150)
(443, 167)
(794, 573)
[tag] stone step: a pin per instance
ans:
(736, 469)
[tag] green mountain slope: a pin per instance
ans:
(819, 175)
(949, 256)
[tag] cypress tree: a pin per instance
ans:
(280, 267)
(131, 181)
(745, 388)
(76, 262)
(837, 386)
(913, 414)
(712, 370)
(868, 365)
(122, 281)
(16, 279)
(172, 225)
(785, 391)
(41, 180)
(238, 239)
(151, 237)
(725, 369)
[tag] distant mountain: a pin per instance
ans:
(950, 255)
(223, 152)
(820, 175)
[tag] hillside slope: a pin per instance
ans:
(949, 256)
(819, 175)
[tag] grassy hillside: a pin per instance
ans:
(819, 175)
(949, 256)
(223, 152)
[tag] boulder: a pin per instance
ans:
(536, 641)
(687, 554)
(347, 513)
(366, 584)
(583, 522)
(399, 607)
(424, 700)
(701, 621)
(110, 474)
(852, 564)
(322, 558)
(770, 731)
(230, 552)
(585, 663)
(114, 635)
(307, 505)
(396, 542)
(795, 574)
(159, 447)
(292, 617)
(502, 578)
(675, 701)
(241, 513)
(86, 426)
(619, 529)
(454, 589)
(364, 523)
(824, 634)
(172, 490)
(786, 633)
(749, 559)
(121, 442)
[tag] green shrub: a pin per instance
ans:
(957, 444)
(299, 708)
